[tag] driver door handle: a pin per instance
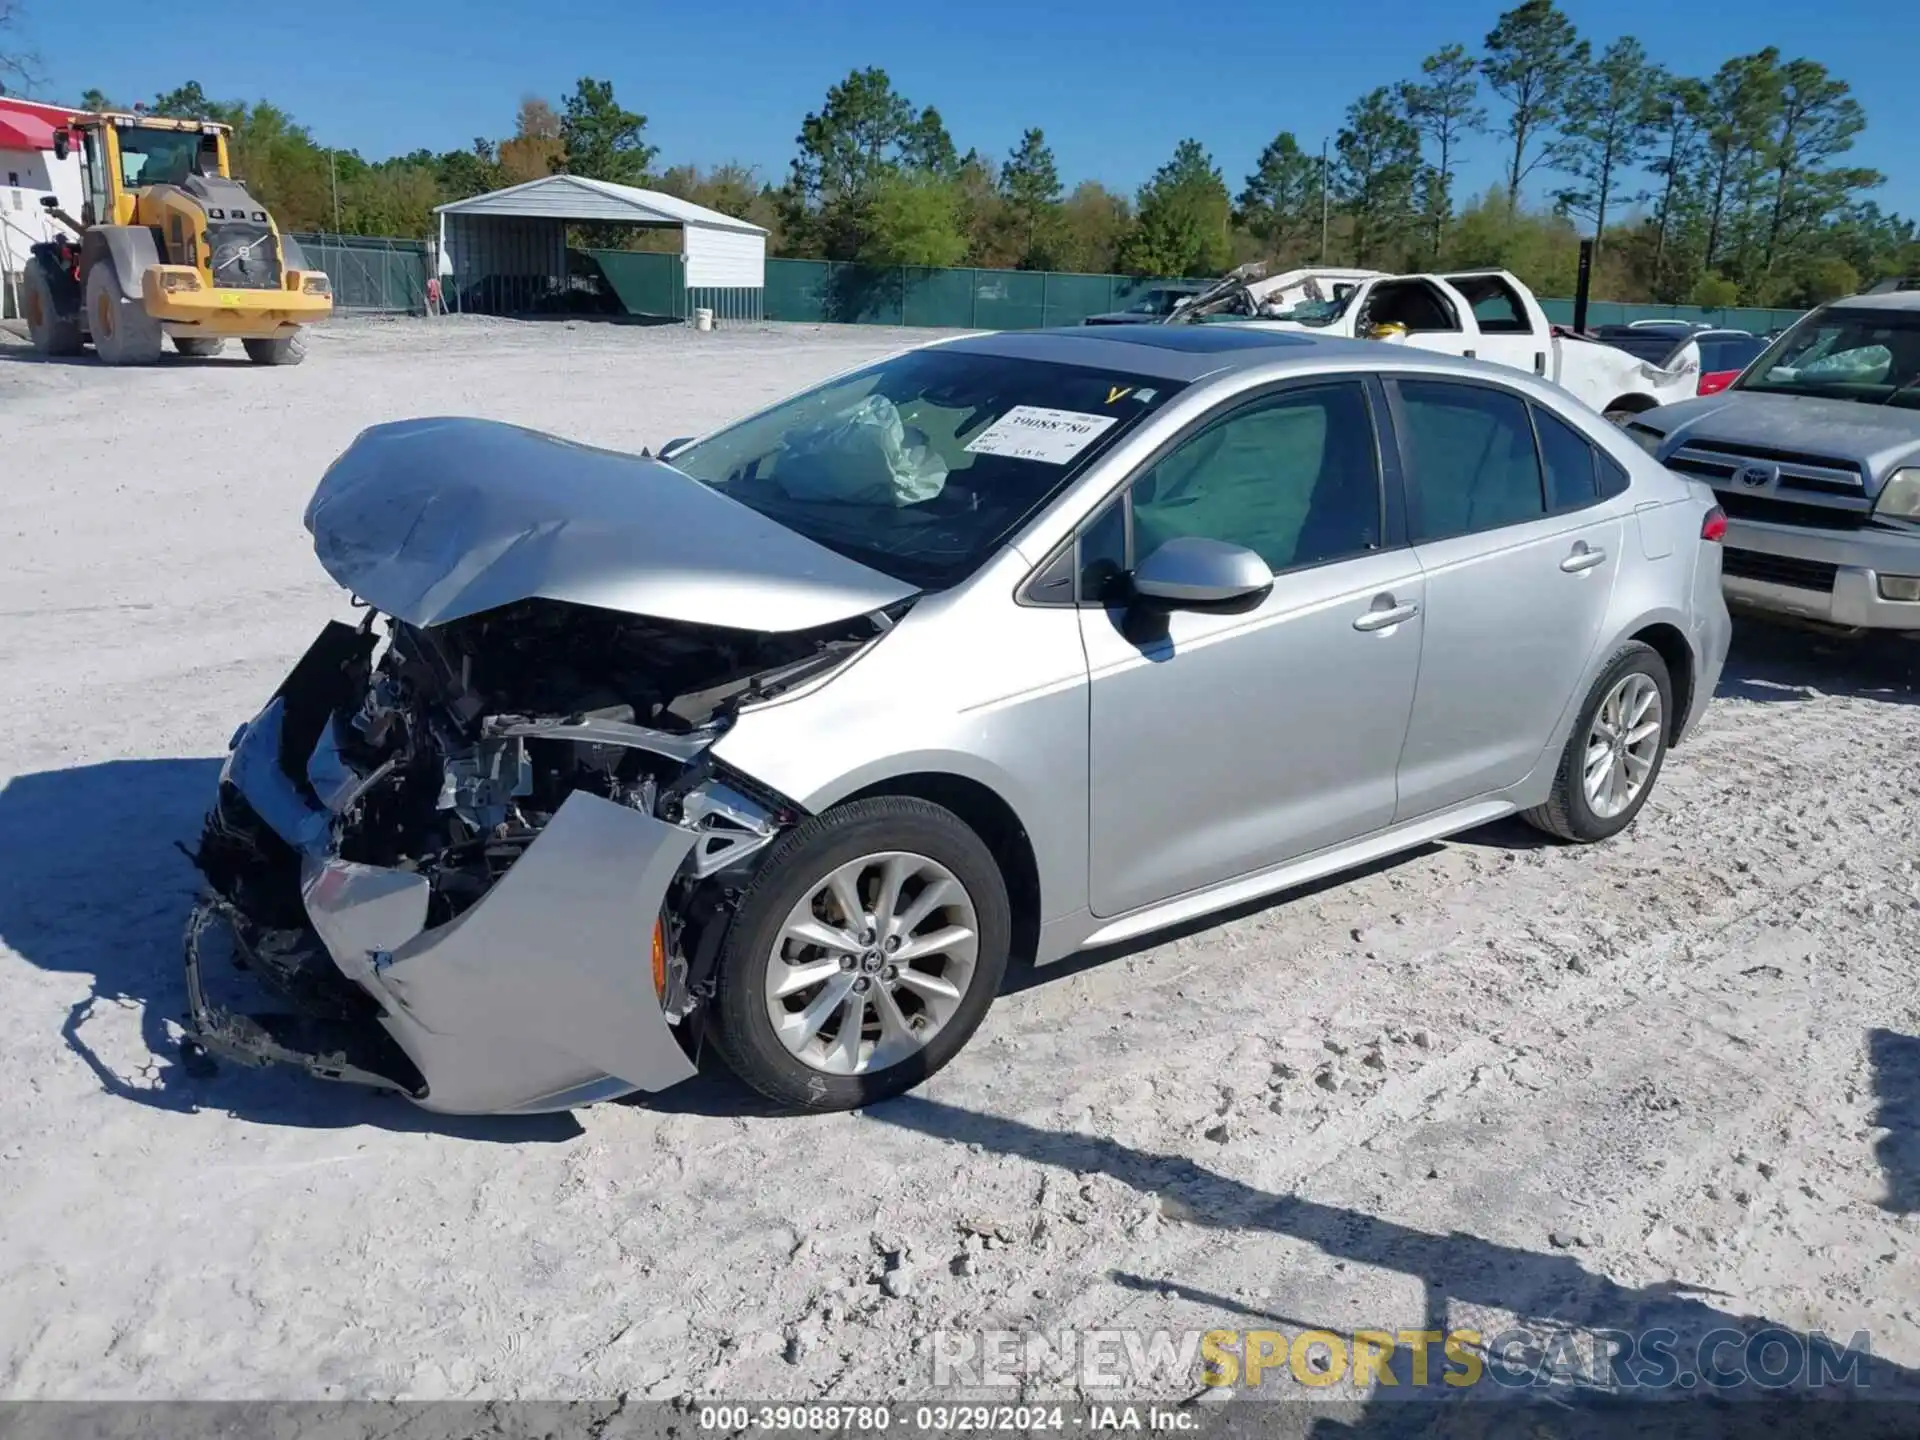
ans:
(1385, 613)
(1584, 557)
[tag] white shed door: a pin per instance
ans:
(725, 259)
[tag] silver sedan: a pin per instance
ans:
(793, 736)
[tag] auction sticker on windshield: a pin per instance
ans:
(1033, 432)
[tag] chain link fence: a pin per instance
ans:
(371, 274)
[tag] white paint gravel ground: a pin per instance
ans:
(1671, 1079)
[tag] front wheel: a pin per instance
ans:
(1614, 754)
(123, 332)
(288, 350)
(864, 956)
(199, 347)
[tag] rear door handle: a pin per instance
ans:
(1584, 557)
(1385, 613)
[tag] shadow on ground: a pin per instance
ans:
(1552, 1295)
(92, 884)
(1771, 663)
(1895, 1059)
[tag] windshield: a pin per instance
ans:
(1319, 312)
(1156, 302)
(156, 157)
(1864, 353)
(923, 465)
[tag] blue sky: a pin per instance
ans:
(1114, 83)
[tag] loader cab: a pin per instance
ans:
(124, 155)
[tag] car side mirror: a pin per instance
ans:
(674, 447)
(62, 145)
(1192, 572)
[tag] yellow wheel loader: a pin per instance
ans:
(167, 246)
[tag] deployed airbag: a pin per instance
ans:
(865, 456)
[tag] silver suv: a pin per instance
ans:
(1007, 646)
(1815, 455)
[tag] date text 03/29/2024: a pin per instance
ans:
(958, 1418)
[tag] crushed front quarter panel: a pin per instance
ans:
(435, 519)
(541, 994)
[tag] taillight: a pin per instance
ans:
(1719, 380)
(1714, 527)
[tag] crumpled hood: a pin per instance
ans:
(430, 520)
(1878, 437)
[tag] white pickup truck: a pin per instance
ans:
(1481, 314)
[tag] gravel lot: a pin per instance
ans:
(1673, 1079)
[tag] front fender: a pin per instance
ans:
(128, 250)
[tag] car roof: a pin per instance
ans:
(1895, 300)
(1183, 352)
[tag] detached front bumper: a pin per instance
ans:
(1829, 576)
(540, 996)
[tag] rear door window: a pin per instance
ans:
(1568, 461)
(1496, 308)
(1471, 453)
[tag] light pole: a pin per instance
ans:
(1323, 202)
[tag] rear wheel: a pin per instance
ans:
(864, 956)
(199, 347)
(123, 332)
(51, 332)
(288, 350)
(1614, 754)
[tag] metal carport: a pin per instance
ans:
(506, 251)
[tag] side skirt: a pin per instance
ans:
(1286, 876)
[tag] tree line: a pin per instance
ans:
(1729, 188)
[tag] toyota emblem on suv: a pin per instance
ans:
(1756, 476)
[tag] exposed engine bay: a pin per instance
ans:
(425, 762)
(470, 734)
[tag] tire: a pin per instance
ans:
(1570, 813)
(914, 833)
(123, 332)
(52, 333)
(289, 350)
(199, 348)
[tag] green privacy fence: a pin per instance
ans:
(644, 283)
(1617, 312)
(371, 274)
(822, 290)
(376, 275)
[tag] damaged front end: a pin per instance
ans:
(491, 860)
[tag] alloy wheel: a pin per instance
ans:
(1622, 745)
(872, 963)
